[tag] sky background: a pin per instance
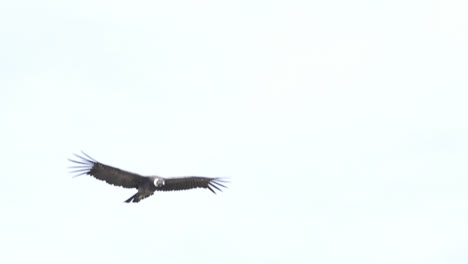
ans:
(342, 126)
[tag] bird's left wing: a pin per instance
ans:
(191, 182)
(87, 165)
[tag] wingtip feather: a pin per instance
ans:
(89, 157)
(211, 189)
(214, 186)
(219, 184)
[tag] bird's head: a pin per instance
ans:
(158, 182)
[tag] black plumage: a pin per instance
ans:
(146, 185)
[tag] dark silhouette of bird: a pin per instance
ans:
(146, 185)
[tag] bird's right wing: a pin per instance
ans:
(87, 165)
(192, 182)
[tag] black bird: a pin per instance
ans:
(146, 185)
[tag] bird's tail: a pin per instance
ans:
(138, 197)
(132, 199)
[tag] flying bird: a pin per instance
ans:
(146, 185)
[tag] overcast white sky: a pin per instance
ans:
(342, 126)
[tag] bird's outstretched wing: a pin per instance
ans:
(191, 182)
(87, 165)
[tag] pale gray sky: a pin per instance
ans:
(341, 124)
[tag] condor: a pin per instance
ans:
(146, 185)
